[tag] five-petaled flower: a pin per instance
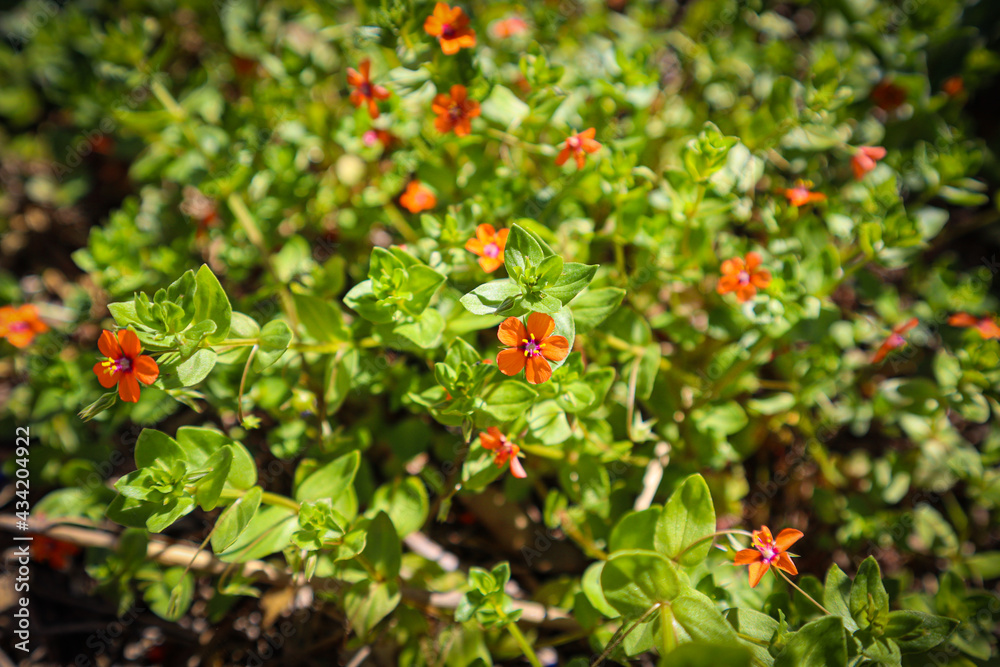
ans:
(511, 26)
(888, 96)
(125, 365)
(800, 194)
(768, 551)
(530, 348)
(894, 340)
(578, 145)
(986, 325)
(504, 451)
(417, 198)
(455, 111)
(20, 325)
(365, 92)
(451, 27)
(55, 553)
(488, 244)
(744, 277)
(864, 160)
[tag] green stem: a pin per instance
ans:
(522, 641)
(677, 558)
(400, 223)
(690, 215)
(614, 643)
(808, 597)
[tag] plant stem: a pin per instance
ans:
(710, 537)
(614, 644)
(808, 597)
(522, 641)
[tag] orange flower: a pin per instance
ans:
(953, 86)
(20, 325)
(768, 551)
(530, 348)
(864, 160)
(743, 277)
(508, 27)
(364, 90)
(985, 325)
(578, 145)
(418, 198)
(888, 96)
(800, 194)
(504, 449)
(489, 245)
(451, 27)
(455, 111)
(54, 552)
(125, 364)
(894, 340)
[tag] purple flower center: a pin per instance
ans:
(895, 340)
(492, 250)
(19, 326)
(447, 31)
(744, 278)
(532, 348)
(365, 89)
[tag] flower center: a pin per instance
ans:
(768, 551)
(492, 250)
(365, 89)
(895, 340)
(532, 348)
(447, 31)
(122, 365)
(574, 142)
(743, 278)
(19, 326)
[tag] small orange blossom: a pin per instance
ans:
(451, 27)
(578, 145)
(800, 194)
(504, 451)
(744, 277)
(20, 325)
(864, 160)
(530, 348)
(894, 340)
(768, 551)
(488, 244)
(417, 198)
(986, 325)
(455, 111)
(365, 92)
(125, 365)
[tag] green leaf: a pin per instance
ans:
(425, 331)
(758, 630)
(485, 299)
(697, 654)
(702, 620)
(363, 301)
(635, 530)
(633, 581)
(422, 282)
(869, 603)
(187, 372)
(170, 597)
(915, 631)
(548, 423)
(211, 303)
(549, 271)
(836, 594)
(368, 602)
(406, 503)
(574, 279)
(383, 550)
(171, 510)
(504, 107)
(689, 516)
(335, 480)
(269, 531)
(200, 444)
(592, 589)
(152, 446)
(124, 313)
(820, 643)
(235, 518)
(208, 489)
(322, 320)
(522, 250)
(510, 399)
(274, 339)
(594, 306)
